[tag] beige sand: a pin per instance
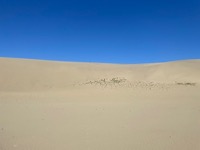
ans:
(48, 105)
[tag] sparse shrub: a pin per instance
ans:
(105, 82)
(186, 83)
(117, 80)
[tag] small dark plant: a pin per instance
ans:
(186, 83)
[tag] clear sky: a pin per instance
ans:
(111, 31)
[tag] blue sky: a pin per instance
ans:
(110, 31)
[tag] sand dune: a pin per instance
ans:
(46, 105)
(25, 75)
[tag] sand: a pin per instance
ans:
(47, 105)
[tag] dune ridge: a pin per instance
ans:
(25, 75)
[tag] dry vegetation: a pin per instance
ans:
(186, 83)
(105, 82)
(121, 82)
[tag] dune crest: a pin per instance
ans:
(25, 75)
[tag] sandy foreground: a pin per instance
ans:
(46, 105)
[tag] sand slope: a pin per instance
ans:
(47, 105)
(34, 75)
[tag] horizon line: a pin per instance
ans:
(93, 62)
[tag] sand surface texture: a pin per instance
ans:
(46, 105)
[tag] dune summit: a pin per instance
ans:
(46, 105)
